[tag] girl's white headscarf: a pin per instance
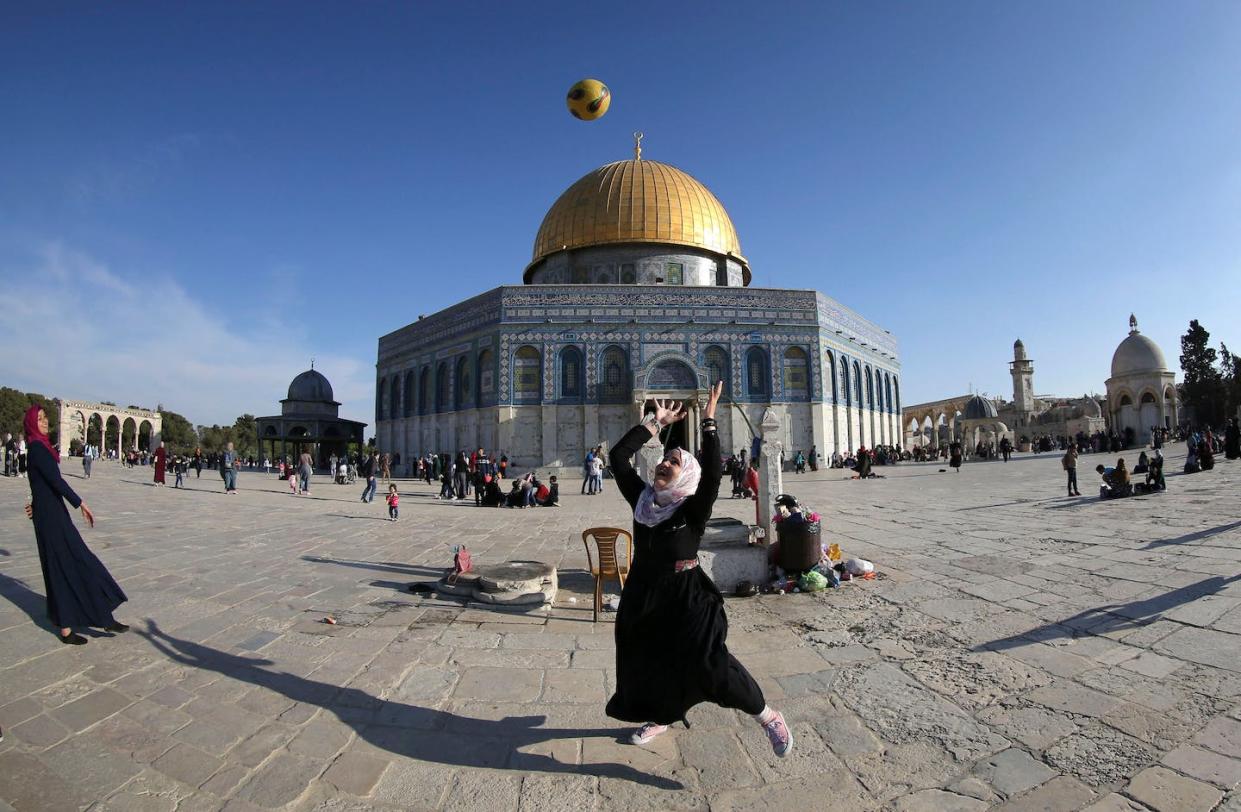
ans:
(654, 506)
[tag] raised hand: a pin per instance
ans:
(669, 412)
(713, 399)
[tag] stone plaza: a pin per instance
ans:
(1019, 650)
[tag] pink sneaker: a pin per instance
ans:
(779, 735)
(647, 732)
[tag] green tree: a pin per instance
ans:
(214, 438)
(178, 433)
(1230, 376)
(1203, 389)
(245, 435)
(13, 406)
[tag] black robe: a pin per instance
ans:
(671, 627)
(1232, 442)
(80, 591)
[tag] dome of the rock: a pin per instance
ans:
(638, 201)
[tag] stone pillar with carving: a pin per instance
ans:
(770, 477)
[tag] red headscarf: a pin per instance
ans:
(31, 427)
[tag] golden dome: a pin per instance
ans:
(637, 201)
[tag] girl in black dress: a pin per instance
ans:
(671, 628)
(80, 591)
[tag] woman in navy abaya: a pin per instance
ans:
(80, 591)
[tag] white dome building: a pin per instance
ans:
(1141, 394)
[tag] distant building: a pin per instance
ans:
(972, 419)
(309, 420)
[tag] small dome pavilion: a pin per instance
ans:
(309, 420)
(1141, 394)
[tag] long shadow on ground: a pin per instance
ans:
(1197, 535)
(408, 730)
(379, 566)
(1114, 617)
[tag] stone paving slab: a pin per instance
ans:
(1021, 650)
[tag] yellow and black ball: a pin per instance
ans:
(589, 99)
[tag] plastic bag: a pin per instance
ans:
(859, 566)
(833, 552)
(812, 581)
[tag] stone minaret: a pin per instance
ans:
(1023, 381)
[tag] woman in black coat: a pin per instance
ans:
(80, 591)
(671, 627)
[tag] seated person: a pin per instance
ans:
(1143, 464)
(1206, 457)
(1154, 474)
(863, 465)
(492, 497)
(1192, 466)
(1116, 482)
(549, 495)
(515, 498)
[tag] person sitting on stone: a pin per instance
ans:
(515, 498)
(1206, 454)
(1154, 473)
(863, 464)
(1192, 465)
(549, 495)
(492, 497)
(1116, 482)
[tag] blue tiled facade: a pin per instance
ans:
(543, 372)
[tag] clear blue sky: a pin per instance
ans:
(197, 198)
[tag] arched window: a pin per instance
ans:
(407, 394)
(796, 374)
(394, 395)
(879, 391)
(1147, 397)
(486, 378)
(870, 390)
(896, 390)
(717, 367)
(463, 393)
(887, 392)
(424, 391)
(443, 387)
(857, 383)
(571, 375)
(844, 381)
(1125, 400)
(831, 375)
(527, 375)
(614, 381)
(380, 396)
(757, 376)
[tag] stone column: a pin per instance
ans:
(551, 451)
(590, 427)
(818, 429)
(770, 477)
